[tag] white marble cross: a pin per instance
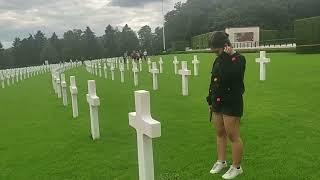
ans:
(25, 74)
(140, 65)
(74, 96)
(58, 86)
(8, 79)
(54, 82)
(112, 70)
(100, 73)
(263, 64)
(184, 72)
(147, 129)
(128, 65)
(160, 65)
(195, 63)
(17, 75)
(115, 62)
(105, 69)
(12, 78)
(2, 81)
(28, 72)
(175, 62)
(21, 74)
(94, 102)
(96, 69)
(64, 89)
(155, 72)
(135, 71)
(149, 65)
(121, 68)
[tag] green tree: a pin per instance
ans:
(157, 42)
(1, 56)
(56, 43)
(72, 45)
(145, 37)
(39, 43)
(49, 53)
(92, 48)
(128, 40)
(111, 42)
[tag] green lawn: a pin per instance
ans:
(280, 127)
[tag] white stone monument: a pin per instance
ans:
(155, 72)
(74, 96)
(147, 129)
(195, 63)
(263, 65)
(244, 37)
(94, 103)
(184, 72)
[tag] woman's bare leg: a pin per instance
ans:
(221, 136)
(232, 125)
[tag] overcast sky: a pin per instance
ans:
(18, 18)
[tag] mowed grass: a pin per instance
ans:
(39, 139)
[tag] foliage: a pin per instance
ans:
(308, 35)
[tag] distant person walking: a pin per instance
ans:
(145, 55)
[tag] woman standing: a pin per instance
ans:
(226, 102)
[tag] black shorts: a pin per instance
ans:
(231, 106)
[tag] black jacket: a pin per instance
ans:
(227, 78)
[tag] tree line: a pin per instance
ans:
(79, 45)
(186, 20)
(197, 17)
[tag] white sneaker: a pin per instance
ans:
(232, 172)
(217, 167)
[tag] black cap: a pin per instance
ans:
(219, 39)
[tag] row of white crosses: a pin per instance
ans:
(60, 85)
(184, 72)
(11, 76)
(60, 88)
(112, 63)
(146, 127)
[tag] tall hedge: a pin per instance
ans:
(307, 32)
(266, 35)
(179, 45)
(201, 41)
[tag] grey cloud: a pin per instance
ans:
(18, 18)
(139, 3)
(131, 3)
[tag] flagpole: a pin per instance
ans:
(163, 33)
